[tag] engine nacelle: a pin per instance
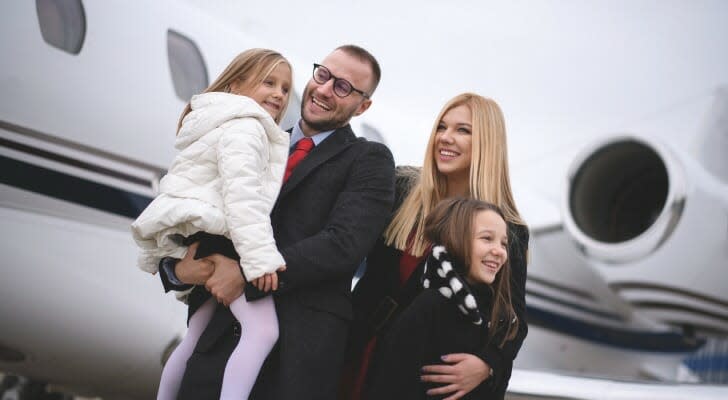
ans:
(654, 222)
(625, 197)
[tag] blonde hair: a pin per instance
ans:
(251, 67)
(489, 177)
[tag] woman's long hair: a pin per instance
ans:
(451, 224)
(251, 67)
(489, 176)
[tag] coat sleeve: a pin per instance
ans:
(381, 269)
(376, 283)
(241, 162)
(501, 359)
(181, 291)
(355, 222)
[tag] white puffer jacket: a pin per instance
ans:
(224, 181)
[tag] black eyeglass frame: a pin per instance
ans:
(337, 79)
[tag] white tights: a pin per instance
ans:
(259, 333)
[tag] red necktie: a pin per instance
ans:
(303, 146)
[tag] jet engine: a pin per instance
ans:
(654, 222)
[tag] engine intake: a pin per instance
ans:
(624, 197)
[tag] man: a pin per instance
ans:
(328, 215)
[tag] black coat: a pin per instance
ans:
(379, 294)
(327, 217)
(430, 327)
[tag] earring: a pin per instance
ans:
(227, 88)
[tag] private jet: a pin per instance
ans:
(625, 280)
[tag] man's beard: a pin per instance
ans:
(327, 125)
(337, 121)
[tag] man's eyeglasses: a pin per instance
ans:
(342, 87)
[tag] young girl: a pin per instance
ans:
(464, 307)
(224, 181)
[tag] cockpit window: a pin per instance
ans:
(189, 73)
(62, 23)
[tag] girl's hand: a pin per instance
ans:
(267, 282)
(259, 283)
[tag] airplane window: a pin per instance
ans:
(189, 73)
(293, 112)
(62, 23)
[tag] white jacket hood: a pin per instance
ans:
(213, 109)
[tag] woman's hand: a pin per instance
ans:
(191, 271)
(460, 375)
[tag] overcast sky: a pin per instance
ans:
(563, 71)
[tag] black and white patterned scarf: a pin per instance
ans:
(441, 275)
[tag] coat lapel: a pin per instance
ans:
(339, 140)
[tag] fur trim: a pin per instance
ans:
(441, 275)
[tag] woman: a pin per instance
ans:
(464, 307)
(466, 156)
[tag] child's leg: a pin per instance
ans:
(174, 369)
(259, 334)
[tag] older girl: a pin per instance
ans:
(466, 304)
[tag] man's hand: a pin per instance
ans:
(460, 375)
(226, 283)
(191, 271)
